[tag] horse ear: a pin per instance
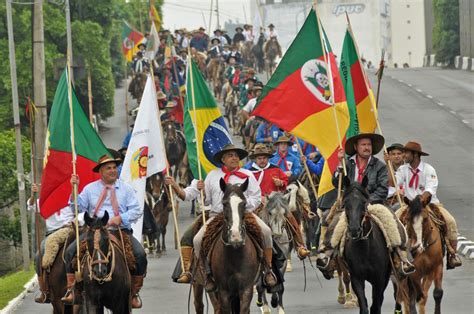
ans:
(346, 182)
(244, 185)
(365, 181)
(105, 218)
(222, 184)
(406, 200)
(87, 219)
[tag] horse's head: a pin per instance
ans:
(234, 203)
(277, 207)
(98, 246)
(169, 131)
(414, 222)
(355, 201)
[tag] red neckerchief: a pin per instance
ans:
(360, 170)
(415, 178)
(283, 159)
(235, 172)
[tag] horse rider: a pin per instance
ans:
(229, 156)
(234, 52)
(250, 105)
(216, 49)
(361, 150)
(226, 52)
(284, 159)
(239, 36)
(272, 179)
(140, 64)
(122, 206)
(268, 133)
(222, 40)
(57, 221)
(271, 32)
(200, 40)
(249, 82)
(419, 178)
(248, 34)
(395, 155)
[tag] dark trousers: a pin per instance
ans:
(138, 252)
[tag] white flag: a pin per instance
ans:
(153, 43)
(146, 151)
(257, 24)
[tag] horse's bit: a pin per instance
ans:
(90, 262)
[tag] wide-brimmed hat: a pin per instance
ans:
(141, 44)
(252, 78)
(214, 39)
(238, 27)
(271, 25)
(415, 147)
(160, 95)
(105, 159)
(217, 30)
(228, 148)
(170, 104)
(283, 139)
(395, 146)
(256, 88)
(376, 139)
(260, 150)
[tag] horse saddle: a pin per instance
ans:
(53, 244)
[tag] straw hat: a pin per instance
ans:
(229, 148)
(260, 150)
(105, 159)
(160, 95)
(283, 139)
(376, 139)
(415, 147)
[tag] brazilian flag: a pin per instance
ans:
(204, 127)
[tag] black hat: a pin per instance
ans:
(238, 27)
(215, 38)
(217, 30)
(395, 146)
(228, 148)
(271, 25)
(377, 143)
(141, 44)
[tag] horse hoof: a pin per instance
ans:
(350, 304)
(341, 299)
(281, 310)
(289, 267)
(266, 309)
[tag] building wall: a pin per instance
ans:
(466, 27)
(408, 32)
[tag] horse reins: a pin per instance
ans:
(91, 262)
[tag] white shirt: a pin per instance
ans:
(185, 42)
(250, 106)
(269, 34)
(59, 219)
(213, 193)
(248, 35)
(427, 182)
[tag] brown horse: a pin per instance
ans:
(234, 261)
(427, 247)
(175, 145)
(215, 71)
(137, 85)
(272, 51)
(231, 107)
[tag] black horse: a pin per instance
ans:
(365, 250)
(106, 276)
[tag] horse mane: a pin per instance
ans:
(355, 186)
(415, 207)
(277, 199)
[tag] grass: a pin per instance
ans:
(12, 284)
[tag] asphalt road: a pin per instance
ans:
(405, 114)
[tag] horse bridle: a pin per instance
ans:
(106, 258)
(242, 231)
(360, 235)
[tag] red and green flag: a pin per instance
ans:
(55, 183)
(131, 38)
(298, 97)
(359, 95)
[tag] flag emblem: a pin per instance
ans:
(315, 78)
(139, 163)
(216, 137)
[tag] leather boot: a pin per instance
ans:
(69, 296)
(405, 267)
(186, 253)
(322, 236)
(453, 259)
(270, 279)
(137, 284)
(43, 297)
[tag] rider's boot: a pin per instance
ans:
(297, 236)
(44, 296)
(69, 296)
(405, 267)
(137, 284)
(270, 279)
(453, 259)
(186, 253)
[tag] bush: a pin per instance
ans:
(446, 30)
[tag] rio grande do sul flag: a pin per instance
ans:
(55, 182)
(146, 150)
(131, 38)
(360, 97)
(298, 98)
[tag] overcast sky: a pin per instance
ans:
(193, 13)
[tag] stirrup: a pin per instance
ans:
(325, 266)
(402, 269)
(43, 298)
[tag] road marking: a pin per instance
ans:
(441, 104)
(401, 81)
(410, 85)
(465, 121)
(453, 112)
(429, 96)
(418, 90)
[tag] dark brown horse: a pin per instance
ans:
(107, 280)
(233, 261)
(427, 247)
(272, 51)
(160, 211)
(231, 107)
(175, 145)
(137, 85)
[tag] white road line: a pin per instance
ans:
(418, 90)
(441, 104)
(410, 85)
(453, 112)
(401, 81)
(465, 121)
(429, 96)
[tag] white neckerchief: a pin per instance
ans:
(261, 170)
(139, 66)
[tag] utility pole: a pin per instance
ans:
(39, 89)
(217, 14)
(19, 157)
(69, 39)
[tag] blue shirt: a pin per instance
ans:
(308, 148)
(292, 162)
(316, 168)
(129, 208)
(127, 138)
(263, 132)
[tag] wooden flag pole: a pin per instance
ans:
(190, 64)
(374, 109)
(74, 172)
(175, 216)
(308, 173)
(89, 94)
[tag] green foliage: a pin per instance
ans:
(10, 227)
(446, 30)
(12, 285)
(8, 177)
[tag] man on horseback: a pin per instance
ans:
(362, 163)
(268, 133)
(140, 64)
(231, 172)
(271, 32)
(273, 179)
(419, 178)
(239, 36)
(287, 162)
(122, 205)
(395, 155)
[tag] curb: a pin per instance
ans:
(466, 247)
(13, 304)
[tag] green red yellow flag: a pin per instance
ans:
(55, 181)
(204, 127)
(131, 38)
(360, 98)
(155, 17)
(299, 98)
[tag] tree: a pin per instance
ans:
(446, 30)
